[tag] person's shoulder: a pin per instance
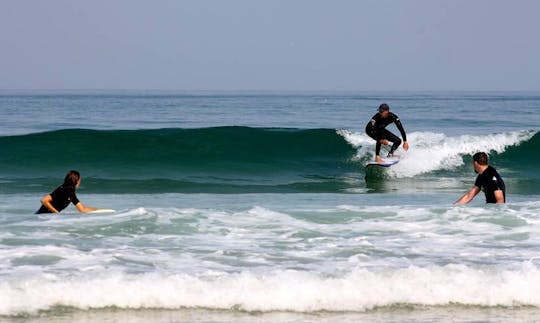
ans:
(67, 189)
(491, 170)
(496, 174)
(393, 115)
(58, 189)
(487, 173)
(479, 180)
(490, 175)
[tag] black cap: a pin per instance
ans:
(384, 107)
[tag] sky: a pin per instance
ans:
(271, 45)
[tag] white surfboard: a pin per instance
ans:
(103, 211)
(385, 163)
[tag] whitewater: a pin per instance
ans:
(244, 207)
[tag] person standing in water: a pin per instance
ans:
(488, 180)
(60, 198)
(376, 129)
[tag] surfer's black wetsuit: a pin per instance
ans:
(489, 182)
(61, 197)
(376, 129)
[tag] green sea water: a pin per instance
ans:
(256, 207)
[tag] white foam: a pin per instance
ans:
(435, 151)
(297, 291)
(365, 256)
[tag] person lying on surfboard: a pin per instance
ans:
(64, 194)
(376, 129)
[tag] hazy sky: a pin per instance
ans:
(270, 45)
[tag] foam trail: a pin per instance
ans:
(435, 151)
(295, 291)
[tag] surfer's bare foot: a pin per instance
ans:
(378, 159)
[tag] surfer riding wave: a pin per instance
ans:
(376, 129)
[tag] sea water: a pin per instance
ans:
(256, 207)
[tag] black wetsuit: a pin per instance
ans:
(376, 129)
(61, 197)
(490, 181)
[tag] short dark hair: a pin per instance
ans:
(481, 158)
(384, 107)
(72, 177)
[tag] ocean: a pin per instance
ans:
(244, 207)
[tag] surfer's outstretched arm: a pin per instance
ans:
(83, 208)
(403, 134)
(467, 197)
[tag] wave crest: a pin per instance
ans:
(294, 291)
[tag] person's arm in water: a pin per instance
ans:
(83, 208)
(47, 202)
(78, 204)
(499, 196)
(467, 197)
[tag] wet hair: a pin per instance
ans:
(384, 107)
(71, 179)
(481, 158)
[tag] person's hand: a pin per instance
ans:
(406, 146)
(384, 142)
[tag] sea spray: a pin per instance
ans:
(431, 152)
